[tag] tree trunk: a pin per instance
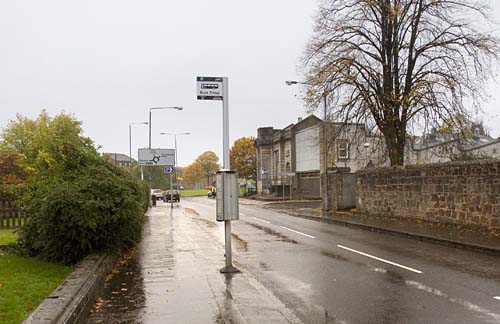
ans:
(395, 141)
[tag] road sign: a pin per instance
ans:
(160, 157)
(209, 88)
(168, 169)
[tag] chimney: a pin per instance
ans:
(299, 119)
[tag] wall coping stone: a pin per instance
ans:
(71, 301)
(413, 167)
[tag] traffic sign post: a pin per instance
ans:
(217, 88)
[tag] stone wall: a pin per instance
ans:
(465, 193)
(341, 191)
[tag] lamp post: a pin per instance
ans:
(158, 108)
(326, 202)
(175, 146)
(150, 110)
(130, 141)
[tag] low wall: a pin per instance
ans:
(465, 193)
(307, 185)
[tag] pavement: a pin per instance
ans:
(173, 277)
(486, 239)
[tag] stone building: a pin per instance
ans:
(437, 147)
(291, 160)
(119, 159)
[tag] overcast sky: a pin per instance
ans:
(108, 61)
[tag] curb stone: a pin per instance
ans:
(71, 301)
(421, 237)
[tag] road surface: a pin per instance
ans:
(329, 273)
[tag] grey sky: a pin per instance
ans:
(108, 61)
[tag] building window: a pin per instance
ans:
(276, 163)
(343, 150)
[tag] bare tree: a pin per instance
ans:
(398, 63)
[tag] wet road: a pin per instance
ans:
(334, 274)
(309, 271)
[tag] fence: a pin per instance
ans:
(10, 215)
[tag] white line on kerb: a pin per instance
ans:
(291, 230)
(259, 219)
(379, 259)
(497, 297)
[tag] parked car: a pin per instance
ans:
(158, 194)
(172, 194)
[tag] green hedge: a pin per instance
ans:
(100, 207)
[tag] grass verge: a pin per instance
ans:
(7, 236)
(25, 282)
(194, 193)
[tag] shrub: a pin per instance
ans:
(98, 208)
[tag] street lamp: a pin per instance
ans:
(158, 108)
(175, 146)
(130, 141)
(326, 203)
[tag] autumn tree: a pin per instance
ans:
(397, 64)
(209, 164)
(243, 158)
(193, 174)
(204, 167)
(50, 145)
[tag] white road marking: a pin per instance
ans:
(291, 230)
(380, 259)
(497, 297)
(242, 214)
(259, 219)
(464, 303)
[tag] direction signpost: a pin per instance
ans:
(216, 88)
(159, 157)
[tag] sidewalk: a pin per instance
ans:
(174, 278)
(457, 235)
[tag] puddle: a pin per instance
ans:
(281, 237)
(206, 222)
(242, 245)
(264, 266)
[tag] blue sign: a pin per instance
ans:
(168, 169)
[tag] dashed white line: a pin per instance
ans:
(291, 230)
(497, 297)
(380, 259)
(262, 220)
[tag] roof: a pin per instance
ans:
(466, 143)
(117, 157)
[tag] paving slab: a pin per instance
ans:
(174, 277)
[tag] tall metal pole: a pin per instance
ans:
(225, 120)
(130, 147)
(326, 204)
(149, 128)
(175, 163)
(229, 268)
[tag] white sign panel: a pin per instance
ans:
(161, 157)
(209, 88)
